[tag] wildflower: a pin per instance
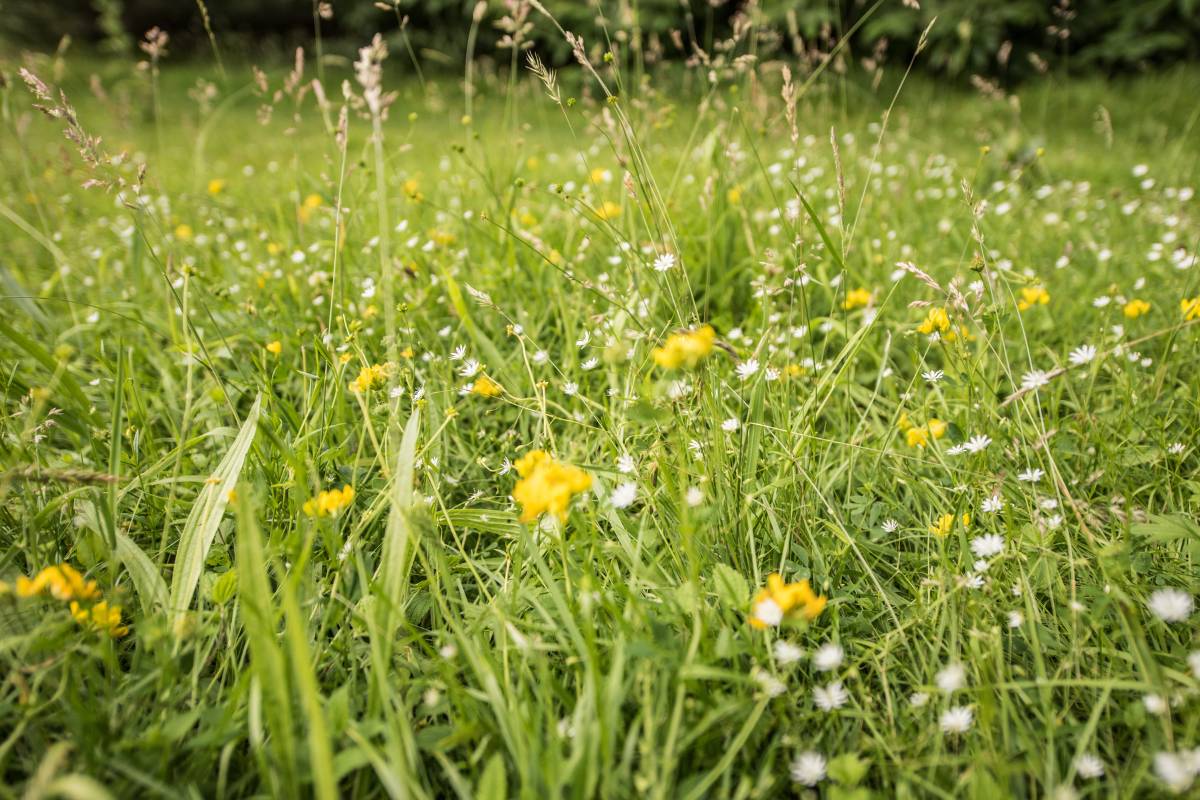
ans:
(1082, 355)
(1190, 308)
(779, 600)
(933, 376)
(368, 378)
(1015, 619)
(992, 505)
(1177, 770)
(1155, 703)
(987, 546)
(329, 502)
(664, 262)
(607, 210)
(977, 443)
(1031, 475)
(918, 699)
(952, 678)
(1034, 379)
(274, 348)
(747, 368)
(956, 720)
(831, 697)
(828, 657)
(62, 582)
(685, 349)
(486, 387)
(624, 495)
(943, 525)
(1088, 765)
(856, 298)
(730, 425)
(936, 321)
(916, 437)
(808, 768)
(771, 686)
(1194, 663)
(1135, 308)
(102, 616)
(1171, 605)
(183, 232)
(890, 525)
(786, 652)
(215, 186)
(546, 485)
(694, 496)
(1032, 296)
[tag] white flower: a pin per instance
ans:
(732, 424)
(458, 353)
(583, 340)
(786, 652)
(768, 612)
(992, 504)
(951, 678)
(1171, 605)
(747, 368)
(956, 720)
(1155, 703)
(1194, 663)
(771, 686)
(987, 546)
(590, 364)
(1177, 770)
(664, 262)
(624, 495)
(808, 768)
(1088, 765)
(977, 443)
(1175, 448)
(1102, 301)
(831, 697)
(1082, 355)
(1034, 379)
(694, 496)
(570, 388)
(626, 465)
(933, 375)
(1031, 475)
(469, 368)
(1015, 619)
(918, 699)
(828, 657)
(890, 525)
(541, 357)
(956, 450)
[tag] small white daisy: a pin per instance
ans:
(1176, 770)
(956, 720)
(730, 425)
(808, 769)
(890, 525)
(1088, 765)
(626, 465)
(624, 495)
(1015, 619)
(831, 697)
(1175, 448)
(1031, 475)
(664, 262)
(1155, 703)
(469, 368)
(768, 612)
(992, 505)
(828, 657)
(951, 678)
(979, 442)
(1171, 605)
(1034, 380)
(933, 375)
(786, 652)
(747, 368)
(694, 496)
(987, 546)
(1082, 355)
(918, 699)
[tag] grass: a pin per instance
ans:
(423, 641)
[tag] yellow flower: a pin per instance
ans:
(329, 502)
(275, 347)
(369, 378)
(856, 298)
(62, 582)
(215, 186)
(407, 352)
(413, 190)
(1135, 308)
(600, 175)
(1032, 296)
(274, 248)
(778, 600)
(101, 616)
(608, 209)
(917, 437)
(344, 358)
(686, 349)
(794, 370)
(311, 203)
(943, 525)
(1190, 308)
(487, 387)
(936, 320)
(546, 485)
(183, 232)
(937, 427)
(734, 195)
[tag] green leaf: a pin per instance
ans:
(847, 769)
(202, 522)
(224, 587)
(147, 580)
(732, 589)
(399, 543)
(493, 783)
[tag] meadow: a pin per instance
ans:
(671, 432)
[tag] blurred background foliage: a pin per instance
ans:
(1006, 39)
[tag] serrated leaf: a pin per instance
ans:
(732, 589)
